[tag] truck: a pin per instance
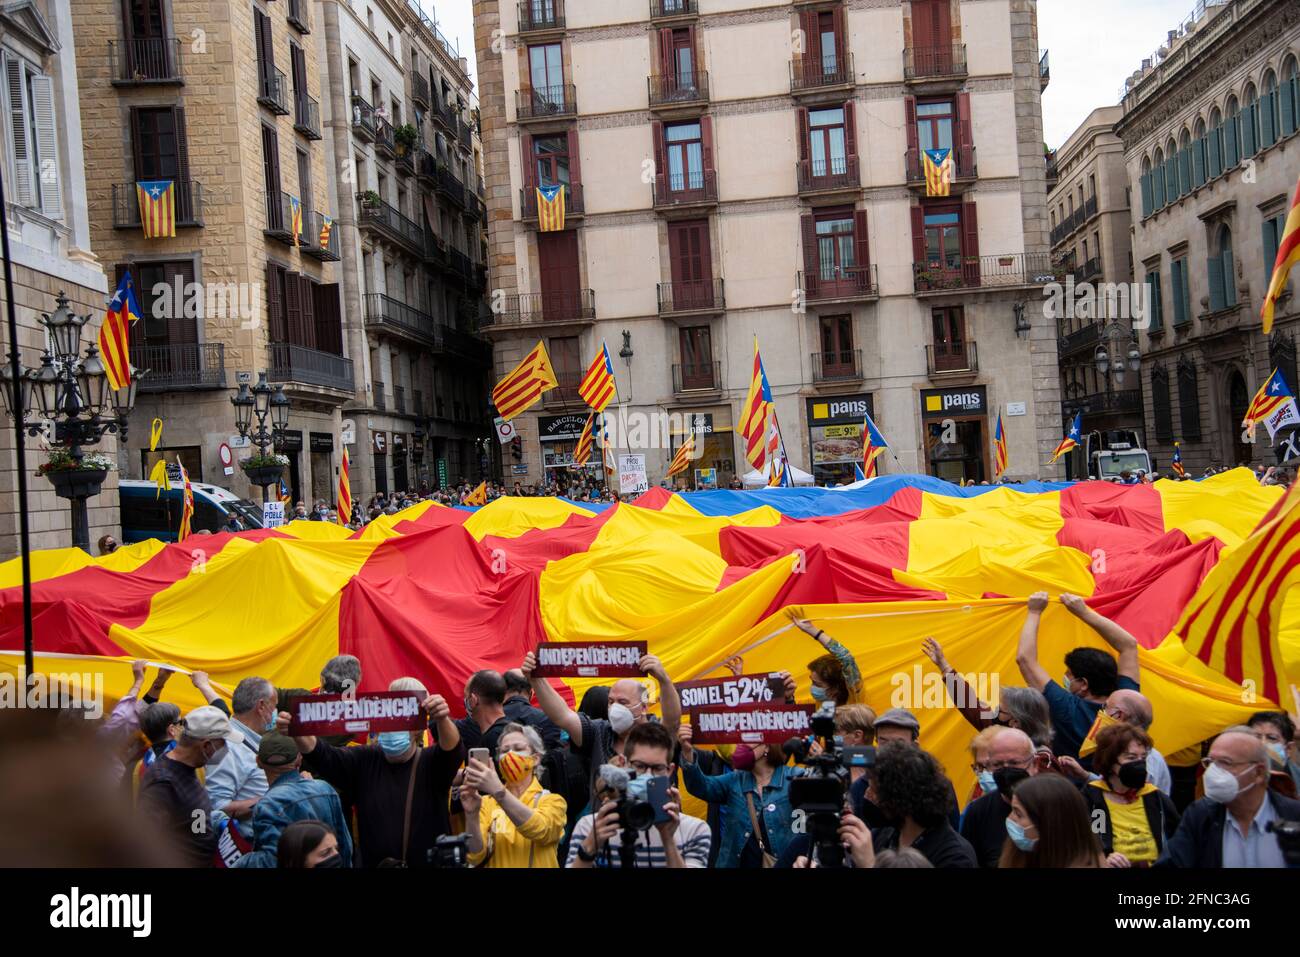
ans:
(1114, 451)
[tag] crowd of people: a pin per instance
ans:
(1066, 775)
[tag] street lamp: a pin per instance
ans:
(262, 401)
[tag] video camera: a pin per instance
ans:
(819, 793)
(1288, 838)
(450, 850)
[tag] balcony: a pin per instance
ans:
(1044, 71)
(188, 198)
(817, 75)
(460, 264)
(1118, 402)
(673, 9)
(951, 359)
(837, 175)
(435, 250)
(1081, 342)
(546, 103)
(385, 144)
(685, 191)
(684, 93)
(299, 15)
(377, 395)
(186, 367)
(378, 217)
(1089, 270)
(420, 90)
(690, 377)
(1066, 227)
(566, 392)
(691, 297)
(934, 62)
(300, 365)
(1089, 208)
(363, 119)
(151, 61)
(573, 203)
(279, 218)
(445, 115)
(311, 246)
(839, 284)
(964, 167)
(306, 112)
(541, 16)
(449, 186)
(1053, 170)
(405, 162)
(986, 272)
(273, 91)
(465, 134)
(578, 305)
(399, 400)
(836, 367)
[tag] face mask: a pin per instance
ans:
(1133, 774)
(334, 861)
(1277, 751)
(1222, 786)
(216, 757)
(515, 766)
(1006, 779)
(270, 723)
(743, 758)
(1018, 837)
(620, 718)
(394, 743)
(988, 783)
(819, 694)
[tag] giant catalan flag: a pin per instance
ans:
(703, 576)
(524, 384)
(550, 208)
(938, 171)
(157, 200)
(598, 387)
(1288, 254)
(115, 333)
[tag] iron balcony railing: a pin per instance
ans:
(546, 102)
(188, 197)
(977, 272)
(566, 392)
(405, 162)
(420, 90)
(144, 61)
(426, 166)
(697, 376)
(300, 364)
(573, 201)
(546, 307)
(445, 114)
(384, 141)
(1080, 342)
(949, 357)
(1088, 270)
(1044, 70)
(311, 244)
(390, 222)
(435, 250)
(272, 91)
(363, 118)
(450, 186)
(833, 173)
(963, 164)
(679, 88)
(1089, 208)
(299, 15)
(812, 73)
(691, 295)
(306, 111)
(934, 61)
(537, 15)
(838, 365)
(180, 367)
(690, 188)
(661, 9)
(1120, 401)
(1066, 227)
(837, 282)
(279, 217)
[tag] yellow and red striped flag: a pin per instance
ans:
(754, 414)
(524, 384)
(1071, 440)
(1272, 395)
(938, 171)
(1234, 620)
(873, 446)
(683, 457)
(550, 209)
(598, 387)
(582, 451)
(115, 333)
(157, 207)
(999, 450)
(478, 496)
(345, 491)
(1288, 254)
(295, 217)
(187, 504)
(326, 225)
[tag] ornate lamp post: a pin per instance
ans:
(71, 391)
(261, 402)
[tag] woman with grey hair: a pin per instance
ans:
(511, 819)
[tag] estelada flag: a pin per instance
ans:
(597, 387)
(582, 452)
(478, 496)
(938, 171)
(754, 414)
(326, 224)
(873, 444)
(345, 491)
(524, 384)
(1288, 254)
(683, 457)
(1177, 463)
(295, 215)
(157, 207)
(999, 450)
(115, 333)
(1089, 744)
(1272, 395)
(550, 208)
(1071, 440)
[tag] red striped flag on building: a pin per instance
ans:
(157, 207)
(754, 414)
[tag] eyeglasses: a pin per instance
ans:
(1229, 766)
(657, 770)
(979, 768)
(999, 766)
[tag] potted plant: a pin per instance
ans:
(370, 199)
(264, 469)
(73, 477)
(406, 137)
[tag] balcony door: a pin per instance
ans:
(837, 347)
(566, 359)
(684, 144)
(949, 335)
(691, 261)
(677, 62)
(943, 239)
(148, 46)
(551, 159)
(546, 74)
(557, 256)
(164, 339)
(159, 152)
(827, 44)
(932, 36)
(835, 253)
(826, 142)
(697, 358)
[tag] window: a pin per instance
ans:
(551, 158)
(697, 358)
(934, 126)
(826, 142)
(1249, 122)
(1214, 145)
(835, 246)
(566, 358)
(838, 357)
(948, 332)
(1274, 227)
(1155, 306)
(304, 186)
(271, 178)
(1198, 155)
(159, 149)
(826, 44)
(1232, 137)
(1148, 189)
(684, 143)
(33, 132)
(265, 53)
(1289, 98)
(1185, 164)
(943, 239)
(1223, 285)
(546, 72)
(1189, 400)
(169, 318)
(1160, 404)
(1269, 119)
(1182, 294)
(1158, 181)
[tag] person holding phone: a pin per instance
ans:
(511, 819)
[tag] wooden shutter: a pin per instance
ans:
(666, 65)
(963, 138)
(811, 53)
(841, 34)
(661, 157)
(861, 248)
(307, 303)
(274, 305)
(181, 329)
(47, 150)
(695, 55)
(811, 260)
(575, 165)
(24, 188)
(909, 120)
(1286, 96)
(530, 162)
(804, 134)
(186, 202)
(706, 135)
(293, 308)
(918, 235)
(851, 129)
(970, 244)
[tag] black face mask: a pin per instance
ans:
(1133, 774)
(1007, 779)
(335, 861)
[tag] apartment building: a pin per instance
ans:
(1209, 132)
(49, 243)
(1088, 209)
(738, 168)
(404, 162)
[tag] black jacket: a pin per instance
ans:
(941, 845)
(1198, 841)
(520, 711)
(1162, 816)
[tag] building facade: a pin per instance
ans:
(50, 243)
(734, 170)
(404, 161)
(1209, 131)
(1088, 210)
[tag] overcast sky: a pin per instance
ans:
(1092, 51)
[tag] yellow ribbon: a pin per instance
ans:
(159, 476)
(155, 434)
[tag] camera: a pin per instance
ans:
(1288, 838)
(450, 850)
(635, 812)
(819, 792)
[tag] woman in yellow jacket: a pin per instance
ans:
(511, 819)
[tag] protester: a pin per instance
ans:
(835, 675)
(485, 714)
(291, 797)
(1049, 827)
(1133, 708)
(511, 819)
(979, 752)
(855, 725)
(308, 844)
(120, 731)
(1011, 761)
(1276, 730)
(1229, 827)
(400, 789)
(235, 784)
(107, 545)
(1018, 707)
(754, 798)
(683, 841)
(912, 790)
(1130, 815)
(1091, 675)
(897, 724)
(519, 708)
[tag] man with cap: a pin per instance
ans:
(291, 796)
(898, 724)
(173, 798)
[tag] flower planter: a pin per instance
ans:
(264, 475)
(76, 483)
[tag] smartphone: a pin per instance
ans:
(656, 793)
(481, 754)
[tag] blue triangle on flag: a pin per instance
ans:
(937, 156)
(550, 192)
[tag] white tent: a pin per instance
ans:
(759, 479)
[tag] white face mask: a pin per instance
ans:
(621, 718)
(1222, 786)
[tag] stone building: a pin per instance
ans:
(734, 170)
(1209, 131)
(49, 240)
